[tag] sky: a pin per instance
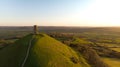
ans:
(60, 12)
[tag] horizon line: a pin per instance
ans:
(54, 26)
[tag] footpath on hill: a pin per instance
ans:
(40, 51)
(27, 52)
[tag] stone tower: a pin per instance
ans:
(35, 29)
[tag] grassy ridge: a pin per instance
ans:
(113, 62)
(13, 55)
(45, 52)
(48, 52)
(84, 48)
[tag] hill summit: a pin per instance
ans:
(44, 52)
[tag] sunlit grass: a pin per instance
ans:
(112, 62)
(45, 52)
(116, 49)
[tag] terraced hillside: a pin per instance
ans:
(44, 52)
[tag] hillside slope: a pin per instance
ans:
(45, 52)
(86, 49)
(13, 55)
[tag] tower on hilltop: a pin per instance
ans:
(35, 29)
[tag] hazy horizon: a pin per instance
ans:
(80, 13)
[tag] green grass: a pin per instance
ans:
(81, 41)
(112, 62)
(116, 49)
(13, 55)
(45, 52)
(109, 45)
(48, 52)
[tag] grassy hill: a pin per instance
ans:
(113, 62)
(86, 49)
(13, 55)
(45, 52)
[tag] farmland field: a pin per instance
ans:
(112, 62)
(95, 41)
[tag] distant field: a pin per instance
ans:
(105, 36)
(99, 38)
(112, 62)
(89, 32)
(116, 49)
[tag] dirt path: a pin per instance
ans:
(27, 53)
